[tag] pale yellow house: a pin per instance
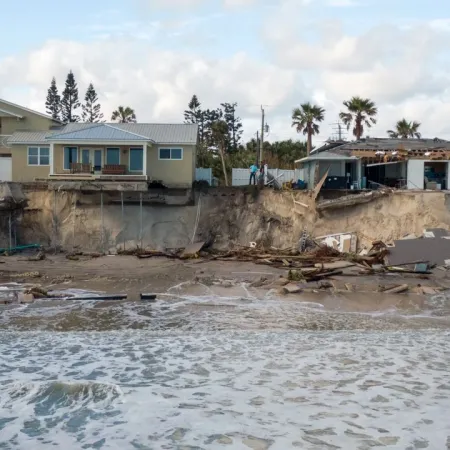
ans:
(17, 118)
(164, 153)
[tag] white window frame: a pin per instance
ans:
(129, 159)
(170, 148)
(39, 147)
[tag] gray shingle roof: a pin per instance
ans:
(392, 144)
(158, 133)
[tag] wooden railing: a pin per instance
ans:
(80, 168)
(114, 169)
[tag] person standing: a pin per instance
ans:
(253, 170)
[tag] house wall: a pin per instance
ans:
(336, 168)
(173, 173)
(21, 171)
(59, 155)
(30, 121)
(416, 174)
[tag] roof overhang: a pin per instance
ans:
(77, 143)
(313, 158)
(5, 113)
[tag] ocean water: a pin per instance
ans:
(216, 372)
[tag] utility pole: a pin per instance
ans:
(257, 147)
(338, 130)
(261, 145)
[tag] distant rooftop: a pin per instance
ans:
(383, 144)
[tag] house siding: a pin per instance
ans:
(172, 172)
(29, 122)
(21, 171)
(59, 155)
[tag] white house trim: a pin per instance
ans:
(52, 159)
(144, 159)
(94, 143)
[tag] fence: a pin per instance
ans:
(202, 174)
(240, 177)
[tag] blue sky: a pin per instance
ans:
(157, 53)
(89, 19)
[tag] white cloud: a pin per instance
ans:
(342, 3)
(405, 70)
(190, 4)
(238, 3)
(158, 84)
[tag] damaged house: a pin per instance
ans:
(369, 163)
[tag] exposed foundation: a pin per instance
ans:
(224, 217)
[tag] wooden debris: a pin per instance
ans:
(192, 250)
(335, 265)
(397, 289)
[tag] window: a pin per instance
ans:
(86, 156)
(97, 160)
(136, 159)
(70, 157)
(171, 153)
(38, 156)
(112, 156)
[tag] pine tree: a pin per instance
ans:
(53, 102)
(234, 125)
(91, 107)
(191, 114)
(211, 116)
(70, 101)
(195, 115)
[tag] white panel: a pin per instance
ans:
(416, 174)
(6, 169)
(203, 174)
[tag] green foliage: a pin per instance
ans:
(305, 119)
(234, 126)
(91, 107)
(361, 112)
(70, 102)
(206, 118)
(405, 130)
(279, 154)
(124, 114)
(53, 102)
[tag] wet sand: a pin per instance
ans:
(190, 292)
(220, 360)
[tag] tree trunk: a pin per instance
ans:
(222, 157)
(309, 143)
(358, 129)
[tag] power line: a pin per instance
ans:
(339, 131)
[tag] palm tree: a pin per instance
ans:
(304, 118)
(405, 130)
(361, 112)
(124, 114)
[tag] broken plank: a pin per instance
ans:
(192, 249)
(335, 265)
(397, 289)
(320, 184)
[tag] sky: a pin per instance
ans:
(153, 55)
